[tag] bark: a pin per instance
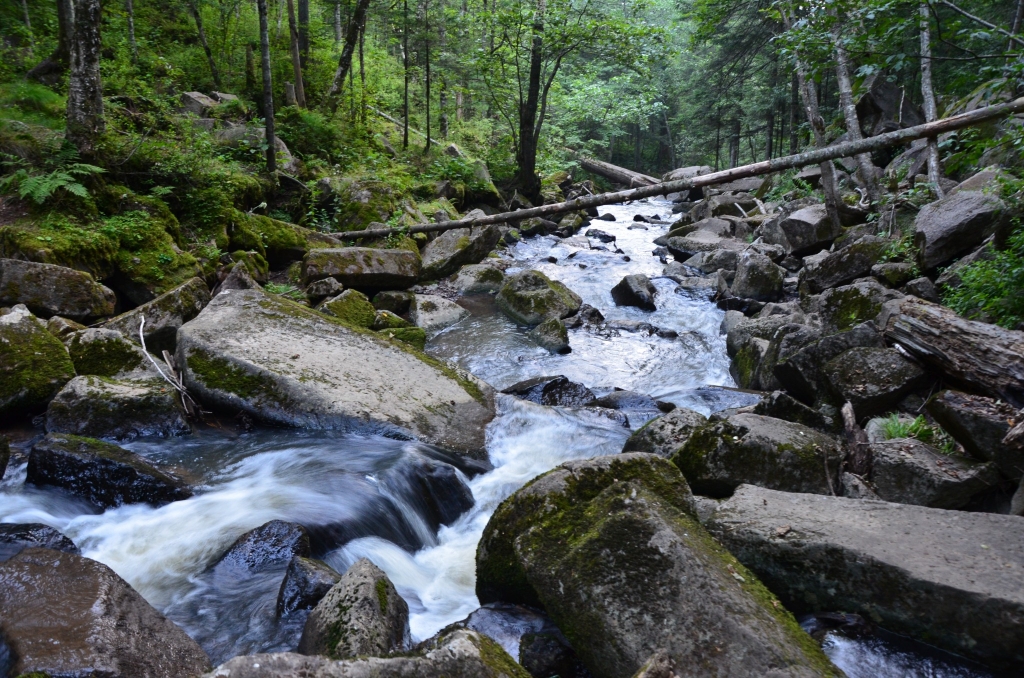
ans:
(251, 88)
(405, 69)
(50, 69)
(362, 72)
(526, 157)
(794, 105)
(28, 27)
(617, 174)
(979, 356)
(303, 31)
(426, 50)
(337, 21)
(268, 85)
(85, 121)
(668, 134)
(865, 167)
(859, 460)
(293, 31)
(928, 94)
(129, 7)
(442, 92)
(1018, 19)
(734, 143)
(345, 62)
(193, 9)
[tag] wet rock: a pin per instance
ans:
(887, 562)
(270, 544)
(456, 654)
(747, 342)
(979, 424)
(455, 248)
(535, 226)
(34, 365)
(786, 341)
(598, 234)
(709, 262)
(665, 435)
(688, 172)
(800, 373)
(548, 654)
(100, 472)
(49, 290)
(954, 225)
(361, 615)
(106, 353)
(612, 583)
(762, 451)
(635, 290)
(781, 405)
(394, 301)
(5, 455)
(606, 217)
(164, 315)
(318, 290)
(442, 494)
(305, 584)
(553, 335)
(843, 307)
(285, 364)
(843, 266)
(908, 471)
(350, 307)
(434, 313)
(478, 279)
(873, 380)
(923, 288)
(552, 391)
(530, 297)
(699, 241)
(65, 615)
(363, 268)
(757, 278)
(119, 409)
(630, 401)
(805, 231)
(14, 538)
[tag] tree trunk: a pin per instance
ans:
(864, 165)
(362, 72)
(337, 21)
(268, 85)
(1018, 19)
(303, 31)
(442, 92)
(251, 88)
(197, 16)
(859, 460)
(345, 62)
(49, 70)
(619, 175)
(928, 94)
(426, 50)
(85, 121)
(794, 106)
(980, 356)
(28, 28)
(668, 134)
(293, 32)
(129, 7)
(405, 68)
(526, 158)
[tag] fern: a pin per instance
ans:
(41, 187)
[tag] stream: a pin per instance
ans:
(365, 489)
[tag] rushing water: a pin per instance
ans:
(361, 493)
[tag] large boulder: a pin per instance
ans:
(843, 307)
(163, 315)
(34, 365)
(684, 247)
(530, 298)
(723, 206)
(844, 266)
(913, 570)
(361, 615)
(121, 409)
(288, 365)
(15, 538)
(305, 584)
(663, 436)
(688, 172)
(478, 278)
(455, 654)
(106, 353)
(65, 615)
(245, 136)
(49, 290)
(434, 313)
(457, 247)
(352, 308)
(873, 380)
(758, 278)
(101, 472)
(980, 424)
(635, 290)
(805, 231)
(269, 545)
(954, 225)
(363, 268)
(611, 548)
(762, 451)
(800, 372)
(908, 471)
(555, 391)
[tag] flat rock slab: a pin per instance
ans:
(951, 578)
(955, 225)
(288, 365)
(364, 268)
(47, 290)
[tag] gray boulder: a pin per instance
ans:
(665, 435)
(723, 205)
(34, 365)
(843, 266)
(912, 569)
(552, 334)
(305, 584)
(361, 615)
(285, 364)
(843, 307)
(65, 615)
(800, 372)
(49, 290)
(894, 274)
(164, 315)
(121, 409)
(954, 225)
(363, 268)
(635, 290)
(15, 538)
(758, 450)
(434, 313)
(350, 307)
(873, 380)
(478, 278)
(107, 353)
(923, 288)
(805, 231)
(530, 297)
(245, 136)
(394, 301)
(908, 471)
(457, 247)
(318, 290)
(688, 172)
(271, 544)
(684, 247)
(781, 405)
(758, 278)
(636, 574)
(552, 391)
(980, 424)
(197, 103)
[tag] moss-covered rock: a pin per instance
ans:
(458, 247)
(552, 335)
(386, 320)
(530, 297)
(873, 380)
(363, 268)
(49, 290)
(164, 315)
(104, 353)
(63, 328)
(351, 307)
(664, 435)
(34, 365)
(844, 265)
(843, 307)
(479, 278)
(414, 336)
(611, 548)
(357, 203)
(277, 241)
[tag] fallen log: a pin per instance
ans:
(979, 356)
(617, 174)
(812, 157)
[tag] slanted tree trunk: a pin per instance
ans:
(198, 17)
(345, 61)
(300, 90)
(49, 70)
(1018, 19)
(303, 31)
(865, 167)
(268, 85)
(619, 175)
(129, 8)
(85, 121)
(928, 94)
(526, 157)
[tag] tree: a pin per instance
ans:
(50, 69)
(300, 90)
(355, 25)
(85, 122)
(928, 94)
(268, 86)
(196, 13)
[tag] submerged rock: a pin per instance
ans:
(121, 409)
(48, 290)
(530, 298)
(305, 584)
(635, 290)
(908, 471)
(65, 615)
(552, 391)
(288, 365)
(15, 538)
(101, 472)
(551, 334)
(363, 268)
(361, 615)
(911, 569)
(611, 548)
(34, 365)
(164, 315)
(665, 435)
(457, 247)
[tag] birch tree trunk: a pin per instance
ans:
(28, 28)
(928, 94)
(197, 16)
(85, 121)
(300, 90)
(865, 167)
(337, 21)
(268, 86)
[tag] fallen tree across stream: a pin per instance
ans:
(811, 157)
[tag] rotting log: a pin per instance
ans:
(979, 356)
(617, 174)
(811, 157)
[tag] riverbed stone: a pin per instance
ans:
(164, 315)
(106, 353)
(635, 290)
(551, 334)
(15, 538)
(759, 450)
(65, 615)
(843, 266)
(285, 364)
(48, 290)
(5, 455)
(361, 615)
(843, 307)
(911, 569)
(101, 472)
(118, 409)
(434, 313)
(684, 247)
(305, 584)
(923, 288)
(395, 301)
(479, 279)
(979, 424)
(612, 550)
(457, 247)
(364, 268)
(530, 297)
(954, 225)
(806, 231)
(757, 277)
(271, 544)
(664, 435)
(908, 471)
(34, 365)
(552, 391)
(873, 380)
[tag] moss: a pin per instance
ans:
(414, 336)
(496, 659)
(386, 320)
(219, 374)
(745, 364)
(104, 357)
(258, 267)
(34, 366)
(382, 595)
(351, 307)
(848, 307)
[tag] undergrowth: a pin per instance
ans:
(894, 427)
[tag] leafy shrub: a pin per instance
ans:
(919, 429)
(308, 132)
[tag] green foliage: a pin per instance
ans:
(290, 291)
(895, 427)
(787, 187)
(31, 103)
(41, 187)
